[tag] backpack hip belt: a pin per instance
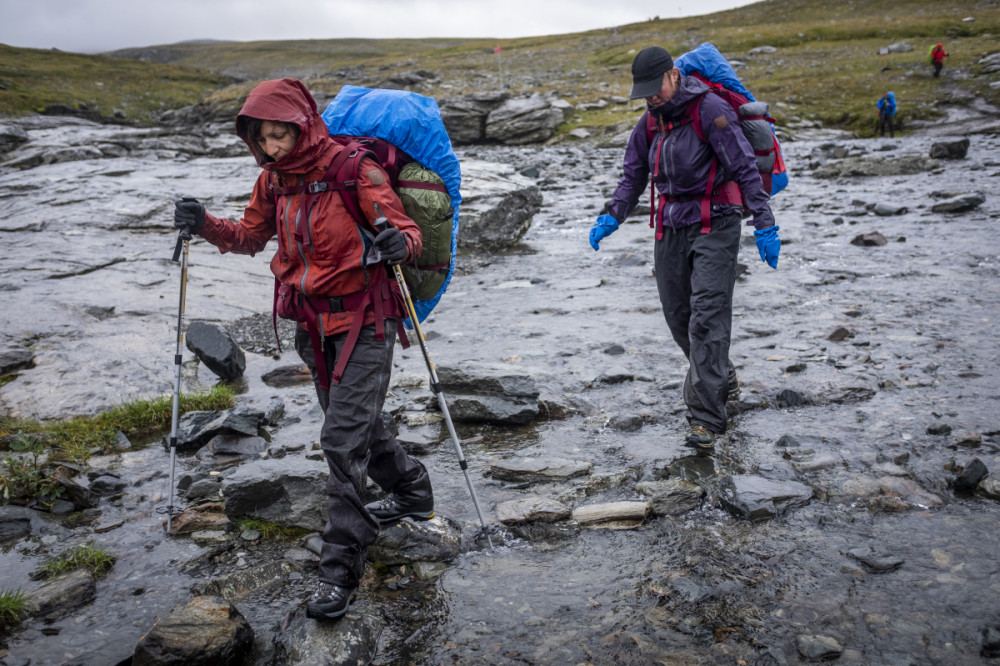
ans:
(384, 301)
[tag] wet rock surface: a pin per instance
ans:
(868, 377)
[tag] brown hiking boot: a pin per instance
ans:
(701, 439)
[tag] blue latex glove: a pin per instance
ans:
(768, 244)
(604, 227)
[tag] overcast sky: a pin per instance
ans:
(89, 26)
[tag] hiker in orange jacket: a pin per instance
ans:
(937, 58)
(333, 279)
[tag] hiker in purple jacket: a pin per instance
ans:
(697, 236)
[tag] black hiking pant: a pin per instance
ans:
(695, 276)
(937, 69)
(357, 443)
(884, 120)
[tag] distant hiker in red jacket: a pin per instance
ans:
(937, 58)
(329, 266)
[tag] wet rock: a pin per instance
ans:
(207, 631)
(11, 137)
(968, 440)
(939, 428)
(198, 519)
(818, 647)
(61, 596)
(215, 347)
(75, 487)
(29, 159)
(107, 485)
(228, 449)
(960, 204)
(889, 210)
(840, 334)
(875, 561)
(626, 422)
(972, 473)
(436, 540)
(904, 493)
(353, 639)
(498, 205)
(671, 497)
(15, 357)
(15, 521)
(195, 429)
(521, 121)
(534, 508)
(611, 514)
(876, 165)
(237, 585)
(288, 375)
(950, 150)
(564, 529)
(539, 470)
(989, 488)
(758, 499)
(990, 647)
(465, 117)
(209, 487)
(210, 537)
(870, 239)
(790, 398)
(479, 394)
(289, 491)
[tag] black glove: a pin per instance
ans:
(189, 215)
(391, 245)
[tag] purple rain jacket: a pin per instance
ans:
(685, 162)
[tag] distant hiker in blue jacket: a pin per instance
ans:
(694, 258)
(887, 113)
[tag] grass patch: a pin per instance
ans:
(89, 556)
(270, 531)
(12, 606)
(76, 439)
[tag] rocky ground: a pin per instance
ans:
(849, 515)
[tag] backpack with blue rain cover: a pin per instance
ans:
(708, 64)
(404, 132)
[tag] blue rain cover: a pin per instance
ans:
(412, 123)
(707, 61)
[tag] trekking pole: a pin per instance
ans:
(381, 222)
(181, 251)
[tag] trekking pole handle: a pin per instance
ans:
(182, 236)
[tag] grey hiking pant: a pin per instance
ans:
(356, 442)
(695, 276)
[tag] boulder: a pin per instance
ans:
(405, 542)
(197, 428)
(671, 497)
(521, 121)
(207, 631)
(960, 204)
(290, 491)
(61, 596)
(483, 395)
(215, 347)
(497, 206)
(15, 357)
(758, 499)
(11, 136)
(950, 150)
(465, 117)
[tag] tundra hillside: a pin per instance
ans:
(825, 67)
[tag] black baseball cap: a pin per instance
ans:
(647, 71)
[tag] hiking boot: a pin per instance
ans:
(734, 391)
(701, 439)
(329, 602)
(389, 509)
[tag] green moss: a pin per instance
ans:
(271, 531)
(12, 606)
(76, 438)
(89, 556)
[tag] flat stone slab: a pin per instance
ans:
(536, 470)
(611, 514)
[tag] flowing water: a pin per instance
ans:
(87, 282)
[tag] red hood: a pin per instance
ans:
(286, 100)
